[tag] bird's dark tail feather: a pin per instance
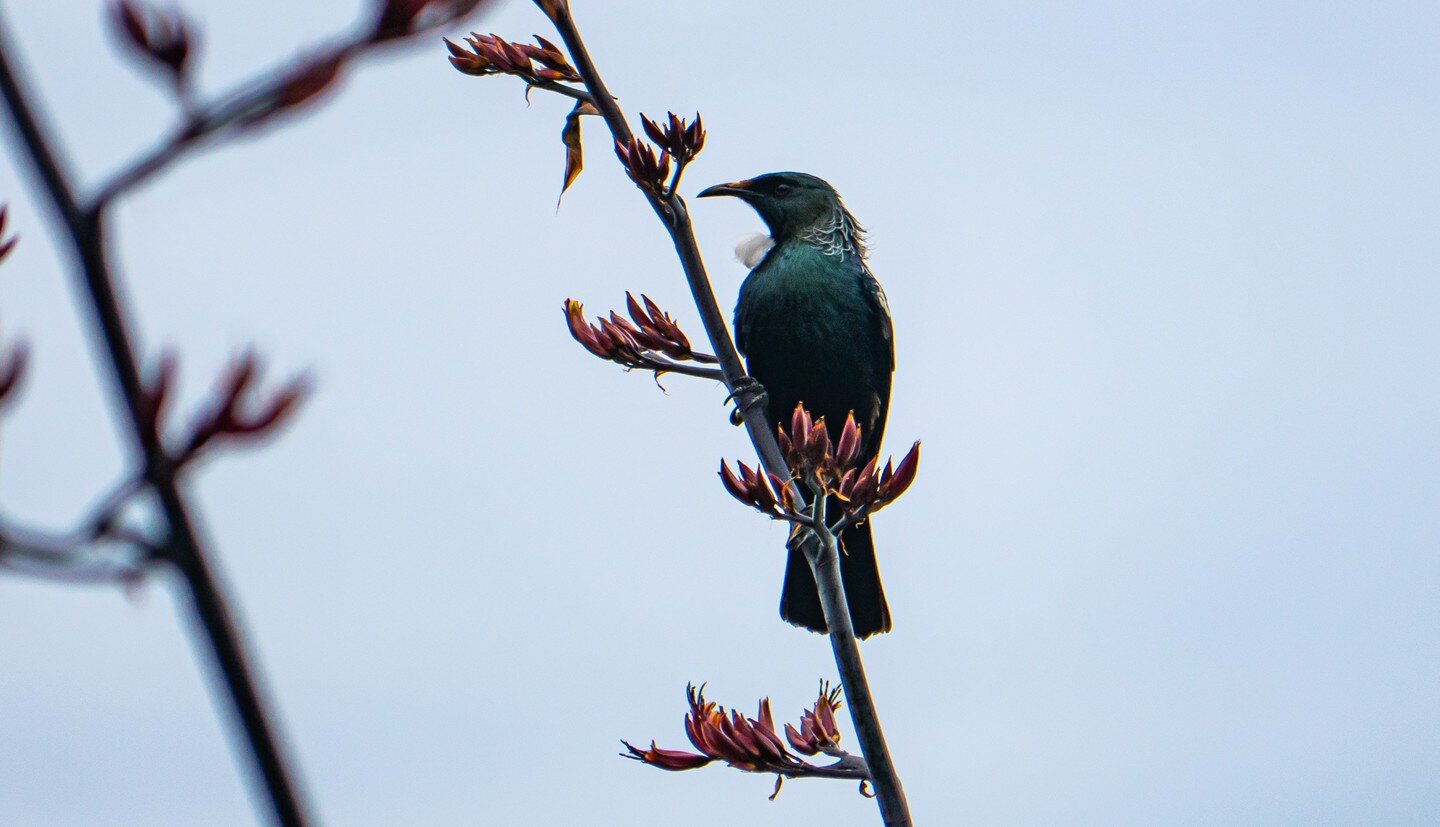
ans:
(800, 600)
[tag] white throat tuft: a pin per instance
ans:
(752, 249)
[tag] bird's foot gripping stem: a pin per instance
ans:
(746, 394)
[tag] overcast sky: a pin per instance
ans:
(1164, 282)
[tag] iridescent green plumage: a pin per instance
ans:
(814, 327)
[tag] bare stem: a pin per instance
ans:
(560, 89)
(824, 558)
(84, 230)
(662, 365)
(250, 101)
(155, 160)
(76, 558)
(837, 770)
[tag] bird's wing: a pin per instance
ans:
(742, 327)
(743, 318)
(876, 295)
(883, 355)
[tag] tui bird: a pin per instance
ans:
(814, 327)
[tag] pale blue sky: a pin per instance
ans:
(1164, 286)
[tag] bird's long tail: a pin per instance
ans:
(800, 600)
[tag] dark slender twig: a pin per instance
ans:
(823, 556)
(666, 366)
(153, 162)
(839, 771)
(202, 122)
(78, 558)
(562, 89)
(182, 548)
(98, 550)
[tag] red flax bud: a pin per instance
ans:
(682, 141)
(807, 447)
(635, 344)
(664, 323)
(695, 137)
(647, 170)
(848, 449)
(6, 244)
(866, 491)
(488, 49)
(557, 67)
(234, 414)
(857, 486)
(161, 37)
(761, 490)
(157, 392)
(585, 334)
(467, 61)
(624, 348)
(673, 760)
(490, 54)
(659, 330)
(818, 731)
(894, 483)
(12, 367)
(513, 57)
(653, 130)
(128, 17)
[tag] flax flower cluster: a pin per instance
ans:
(650, 339)
(754, 744)
(677, 141)
(821, 465)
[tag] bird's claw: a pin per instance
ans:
(746, 394)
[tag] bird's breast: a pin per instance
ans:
(807, 308)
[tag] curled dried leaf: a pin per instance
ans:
(570, 136)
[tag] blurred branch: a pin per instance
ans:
(76, 558)
(272, 92)
(163, 41)
(182, 547)
(100, 550)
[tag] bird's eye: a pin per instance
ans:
(783, 189)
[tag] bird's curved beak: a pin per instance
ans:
(739, 189)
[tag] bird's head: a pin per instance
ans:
(790, 203)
